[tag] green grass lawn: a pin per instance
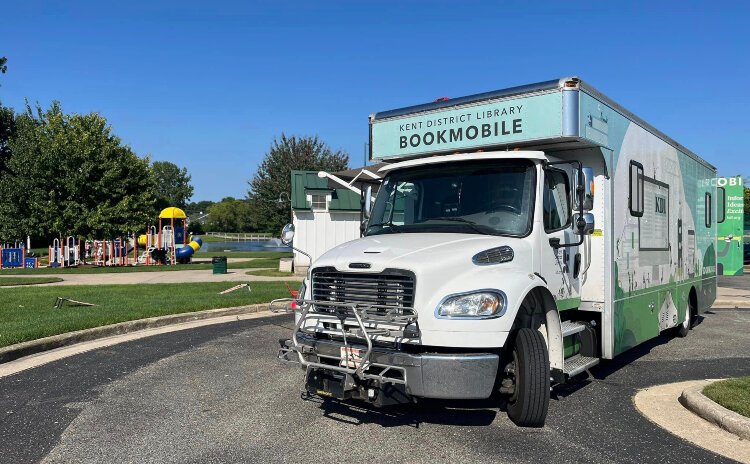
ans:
(272, 273)
(733, 394)
(250, 264)
(8, 281)
(201, 255)
(27, 313)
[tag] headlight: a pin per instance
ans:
(472, 305)
(301, 291)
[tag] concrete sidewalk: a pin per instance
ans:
(733, 292)
(728, 297)
(161, 277)
(660, 404)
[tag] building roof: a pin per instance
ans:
(305, 181)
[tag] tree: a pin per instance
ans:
(172, 185)
(7, 123)
(69, 175)
(195, 209)
(7, 119)
(273, 178)
(230, 215)
(196, 228)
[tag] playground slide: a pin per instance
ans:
(188, 250)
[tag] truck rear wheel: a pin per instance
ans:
(530, 372)
(683, 329)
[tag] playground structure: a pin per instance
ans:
(64, 254)
(15, 257)
(166, 244)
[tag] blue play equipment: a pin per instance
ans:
(11, 257)
(184, 253)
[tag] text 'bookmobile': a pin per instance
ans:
(518, 237)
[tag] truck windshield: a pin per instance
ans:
(493, 197)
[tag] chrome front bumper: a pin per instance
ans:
(380, 368)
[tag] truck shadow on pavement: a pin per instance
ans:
(441, 412)
(608, 367)
(470, 412)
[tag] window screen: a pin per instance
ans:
(635, 197)
(318, 201)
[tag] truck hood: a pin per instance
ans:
(421, 252)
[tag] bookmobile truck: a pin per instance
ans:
(518, 237)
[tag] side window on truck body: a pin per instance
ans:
(708, 212)
(721, 205)
(635, 196)
(556, 205)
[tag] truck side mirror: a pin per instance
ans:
(367, 207)
(585, 189)
(583, 225)
(287, 234)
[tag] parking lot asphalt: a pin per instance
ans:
(217, 394)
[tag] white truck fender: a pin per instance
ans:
(553, 325)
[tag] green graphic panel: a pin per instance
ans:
(729, 233)
(487, 124)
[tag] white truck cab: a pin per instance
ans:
(483, 271)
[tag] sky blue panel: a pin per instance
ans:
(470, 127)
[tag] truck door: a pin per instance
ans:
(560, 265)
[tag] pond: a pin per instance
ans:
(269, 245)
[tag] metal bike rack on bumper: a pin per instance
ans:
(343, 363)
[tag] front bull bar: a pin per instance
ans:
(368, 317)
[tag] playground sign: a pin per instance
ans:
(729, 232)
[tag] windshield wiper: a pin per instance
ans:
(472, 225)
(390, 225)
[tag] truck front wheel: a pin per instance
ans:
(529, 376)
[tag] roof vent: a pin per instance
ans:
(497, 255)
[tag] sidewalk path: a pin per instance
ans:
(162, 277)
(733, 292)
(661, 406)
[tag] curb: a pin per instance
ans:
(19, 350)
(694, 400)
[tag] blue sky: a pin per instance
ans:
(207, 85)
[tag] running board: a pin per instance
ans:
(577, 364)
(571, 327)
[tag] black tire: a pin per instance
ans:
(683, 329)
(527, 406)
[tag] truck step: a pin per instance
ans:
(571, 327)
(577, 364)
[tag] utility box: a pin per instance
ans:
(219, 264)
(285, 264)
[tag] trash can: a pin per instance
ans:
(219, 264)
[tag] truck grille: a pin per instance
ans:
(388, 288)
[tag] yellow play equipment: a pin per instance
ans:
(170, 237)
